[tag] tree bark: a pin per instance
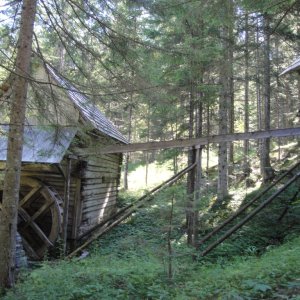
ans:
(191, 174)
(127, 154)
(148, 138)
(207, 147)
(246, 165)
(9, 212)
(224, 105)
(265, 165)
(230, 52)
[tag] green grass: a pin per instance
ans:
(132, 276)
(131, 262)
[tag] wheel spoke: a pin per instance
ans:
(29, 196)
(42, 210)
(34, 226)
(29, 249)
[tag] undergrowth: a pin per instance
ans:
(261, 261)
(134, 276)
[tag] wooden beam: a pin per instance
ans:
(27, 218)
(66, 204)
(243, 208)
(186, 143)
(125, 212)
(252, 214)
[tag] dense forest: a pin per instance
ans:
(198, 73)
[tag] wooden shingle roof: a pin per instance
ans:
(88, 109)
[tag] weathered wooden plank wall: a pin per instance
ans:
(100, 176)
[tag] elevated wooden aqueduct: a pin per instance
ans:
(70, 173)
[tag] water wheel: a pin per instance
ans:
(39, 217)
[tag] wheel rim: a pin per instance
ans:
(39, 221)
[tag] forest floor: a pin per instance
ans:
(133, 263)
(146, 257)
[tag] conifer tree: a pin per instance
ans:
(10, 199)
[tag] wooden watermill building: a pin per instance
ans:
(65, 191)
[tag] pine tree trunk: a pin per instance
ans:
(278, 96)
(148, 138)
(127, 154)
(198, 171)
(231, 83)
(191, 174)
(207, 147)
(265, 164)
(246, 165)
(258, 85)
(175, 159)
(10, 200)
(224, 105)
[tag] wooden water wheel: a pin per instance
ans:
(39, 221)
(39, 217)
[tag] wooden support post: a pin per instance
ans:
(124, 213)
(243, 208)
(76, 212)
(249, 217)
(66, 205)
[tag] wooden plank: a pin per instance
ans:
(77, 210)
(95, 210)
(248, 217)
(98, 193)
(94, 217)
(34, 226)
(103, 158)
(99, 186)
(30, 195)
(38, 174)
(133, 206)
(243, 208)
(102, 169)
(88, 181)
(66, 204)
(30, 250)
(99, 202)
(94, 175)
(40, 168)
(199, 141)
(124, 213)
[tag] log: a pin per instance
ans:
(124, 213)
(243, 208)
(249, 216)
(198, 141)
